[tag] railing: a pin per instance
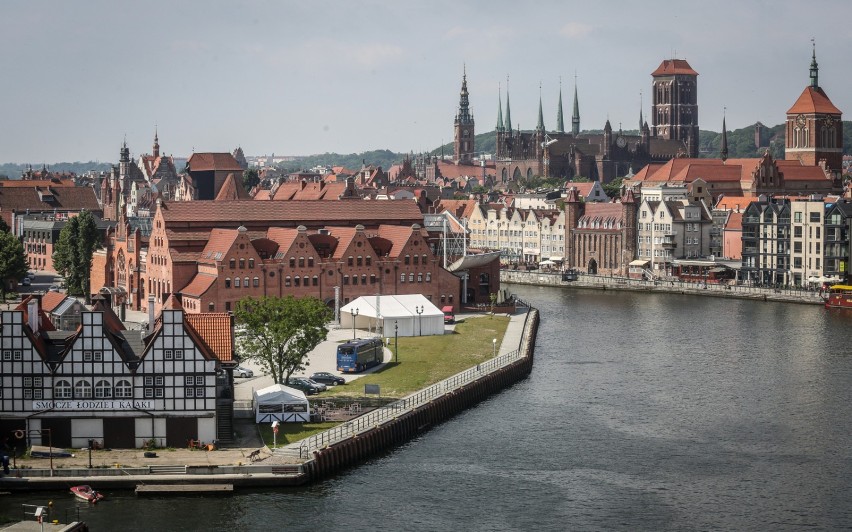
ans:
(376, 417)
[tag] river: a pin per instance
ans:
(642, 412)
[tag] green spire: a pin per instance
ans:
(560, 124)
(499, 110)
(575, 118)
(508, 109)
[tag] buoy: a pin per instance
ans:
(19, 434)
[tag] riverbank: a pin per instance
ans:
(125, 469)
(599, 282)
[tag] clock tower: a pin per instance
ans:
(463, 128)
(814, 132)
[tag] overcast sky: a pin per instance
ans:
(306, 77)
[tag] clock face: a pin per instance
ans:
(621, 142)
(800, 120)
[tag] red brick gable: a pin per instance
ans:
(202, 162)
(199, 285)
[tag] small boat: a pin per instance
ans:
(839, 296)
(86, 493)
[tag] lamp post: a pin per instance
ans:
(354, 315)
(494, 347)
(395, 342)
(419, 311)
(91, 444)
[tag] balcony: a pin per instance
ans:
(668, 243)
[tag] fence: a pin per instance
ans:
(408, 403)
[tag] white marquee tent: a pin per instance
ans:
(281, 403)
(379, 315)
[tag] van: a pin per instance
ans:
(449, 317)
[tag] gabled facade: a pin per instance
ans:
(766, 243)
(838, 222)
(600, 238)
(119, 387)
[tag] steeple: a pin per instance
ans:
(814, 68)
(508, 109)
(540, 125)
(641, 121)
(499, 110)
(156, 144)
(723, 150)
(560, 124)
(464, 116)
(575, 118)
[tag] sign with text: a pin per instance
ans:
(371, 389)
(93, 404)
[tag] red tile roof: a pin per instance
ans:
(51, 300)
(216, 329)
(202, 162)
(813, 101)
(220, 242)
(232, 189)
(61, 198)
(292, 211)
(671, 67)
(735, 222)
(199, 285)
(732, 203)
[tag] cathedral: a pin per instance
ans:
(607, 156)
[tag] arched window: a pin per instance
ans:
(297, 280)
(310, 262)
(287, 281)
(83, 389)
(355, 279)
(408, 259)
(233, 263)
(363, 278)
(123, 390)
(306, 281)
(245, 282)
(227, 282)
(103, 390)
(301, 262)
(292, 262)
(256, 282)
(251, 263)
(236, 282)
(411, 277)
(62, 390)
(316, 280)
(242, 263)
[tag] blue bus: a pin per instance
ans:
(358, 355)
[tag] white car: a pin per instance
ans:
(245, 373)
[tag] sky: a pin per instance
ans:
(306, 77)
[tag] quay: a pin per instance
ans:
(601, 282)
(184, 489)
(312, 459)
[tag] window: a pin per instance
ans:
(301, 262)
(256, 282)
(232, 263)
(87, 356)
(360, 260)
(402, 277)
(306, 281)
(372, 278)
(251, 263)
(83, 389)
(242, 263)
(297, 280)
(7, 354)
(190, 393)
(159, 380)
(149, 393)
(103, 390)
(316, 281)
(345, 279)
(199, 392)
(292, 262)
(123, 390)
(310, 262)
(158, 393)
(178, 354)
(168, 354)
(363, 278)
(227, 282)
(369, 260)
(199, 380)
(797, 231)
(797, 217)
(98, 356)
(62, 390)
(351, 261)
(287, 281)
(416, 260)
(419, 277)
(246, 282)
(797, 247)
(411, 277)
(149, 381)
(408, 259)
(814, 217)
(189, 380)
(428, 277)
(236, 282)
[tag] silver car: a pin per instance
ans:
(245, 373)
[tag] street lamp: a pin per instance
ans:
(419, 311)
(395, 342)
(494, 348)
(354, 315)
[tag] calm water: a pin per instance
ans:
(643, 412)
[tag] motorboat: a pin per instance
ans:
(86, 493)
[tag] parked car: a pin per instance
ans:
(54, 288)
(300, 383)
(322, 387)
(240, 371)
(327, 378)
(26, 281)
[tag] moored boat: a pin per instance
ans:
(86, 493)
(839, 296)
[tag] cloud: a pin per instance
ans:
(575, 30)
(371, 55)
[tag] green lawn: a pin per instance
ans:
(423, 361)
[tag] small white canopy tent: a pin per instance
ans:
(400, 311)
(281, 403)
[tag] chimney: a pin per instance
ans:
(150, 313)
(32, 314)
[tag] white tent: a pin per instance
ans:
(281, 403)
(389, 315)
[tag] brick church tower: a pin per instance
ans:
(463, 148)
(675, 103)
(814, 132)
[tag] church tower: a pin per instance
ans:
(463, 143)
(814, 132)
(156, 152)
(575, 118)
(674, 113)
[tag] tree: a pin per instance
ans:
(13, 261)
(250, 179)
(278, 333)
(72, 256)
(4, 226)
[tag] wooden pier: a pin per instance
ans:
(184, 489)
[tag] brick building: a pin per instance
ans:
(600, 238)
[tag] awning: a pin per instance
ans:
(639, 262)
(556, 259)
